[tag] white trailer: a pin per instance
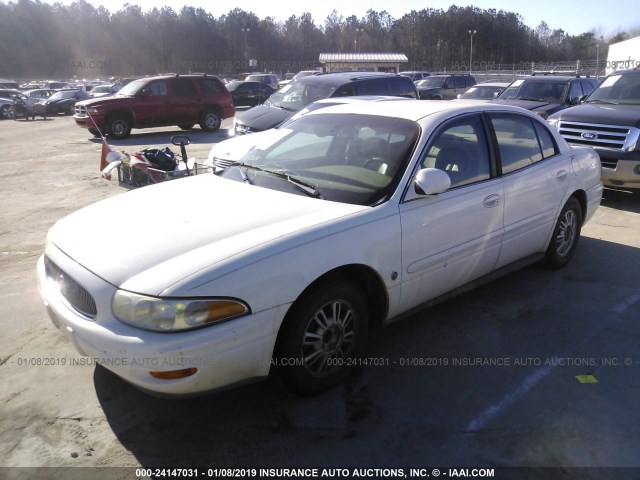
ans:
(623, 55)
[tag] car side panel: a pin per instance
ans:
(450, 239)
(529, 219)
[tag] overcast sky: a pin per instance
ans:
(572, 16)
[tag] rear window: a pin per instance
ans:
(402, 88)
(373, 87)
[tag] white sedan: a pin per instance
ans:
(349, 218)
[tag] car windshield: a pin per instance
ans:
(618, 89)
(12, 95)
(234, 85)
(130, 89)
(357, 159)
(101, 89)
(540, 91)
(63, 95)
(482, 92)
(431, 82)
(297, 95)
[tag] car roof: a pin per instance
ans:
(630, 71)
(553, 78)
(491, 84)
(418, 109)
(175, 75)
(340, 78)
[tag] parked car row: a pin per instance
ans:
(47, 101)
(424, 199)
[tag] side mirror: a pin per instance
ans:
(431, 181)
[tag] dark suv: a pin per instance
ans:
(609, 121)
(444, 87)
(181, 100)
(547, 94)
(301, 92)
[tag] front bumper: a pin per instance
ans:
(85, 121)
(625, 174)
(229, 353)
(620, 168)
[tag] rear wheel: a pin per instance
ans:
(210, 121)
(566, 235)
(185, 126)
(321, 336)
(6, 111)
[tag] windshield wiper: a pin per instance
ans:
(597, 100)
(301, 185)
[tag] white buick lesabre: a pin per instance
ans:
(348, 218)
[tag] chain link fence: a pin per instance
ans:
(508, 73)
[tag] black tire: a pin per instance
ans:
(333, 319)
(5, 111)
(94, 132)
(210, 121)
(185, 126)
(118, 127)
(566, 235)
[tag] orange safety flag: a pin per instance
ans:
(103, 157)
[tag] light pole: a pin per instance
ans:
(471, 34)
(245, 31)
(356, 40)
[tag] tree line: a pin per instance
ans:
(39, 40)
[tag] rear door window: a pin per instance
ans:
(183, 87)
(521, 142)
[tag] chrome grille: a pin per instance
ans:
(224, 164)
(597, 135)
(81, 110)
(74, 293)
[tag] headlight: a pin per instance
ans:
(92, 111)
(171, 315)
(554, 122)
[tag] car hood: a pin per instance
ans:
(601, 113)
(428, 89)
(532, 105)
(97, 101)
(234, 148)
(148, 239)
(263, 117)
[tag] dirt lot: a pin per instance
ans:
(500, 377)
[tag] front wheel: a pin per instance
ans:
(210, 121)
(118, 127)
(185, 126)
(322, 337)
(566, 235)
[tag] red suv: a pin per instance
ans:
(181, 100)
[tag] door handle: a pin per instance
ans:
(561, 176)
(491, 201)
